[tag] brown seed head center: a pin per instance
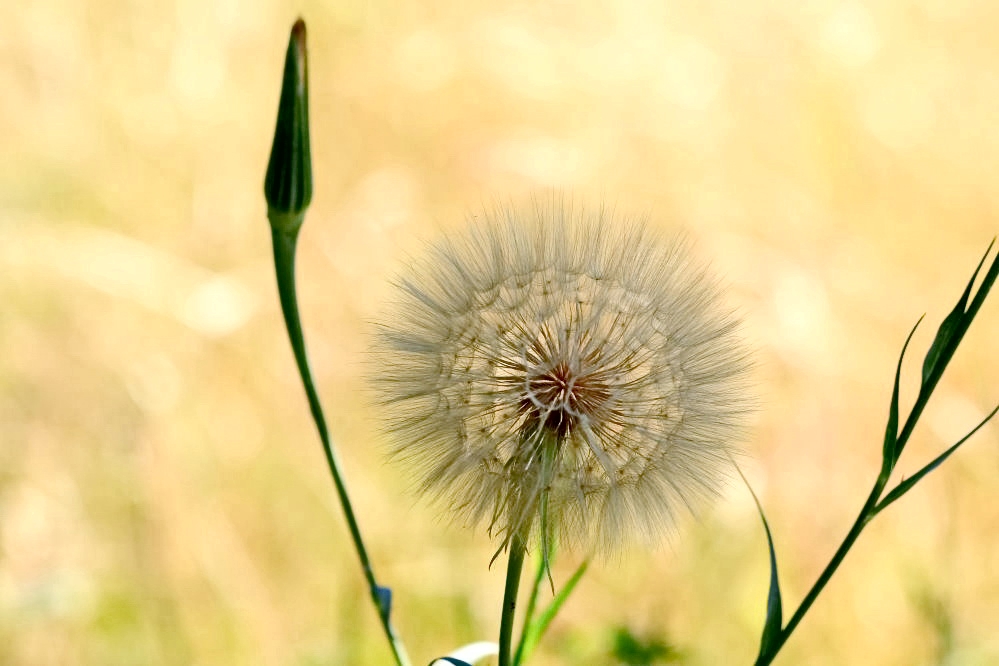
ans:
(560, 396)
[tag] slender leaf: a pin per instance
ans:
(987, 282)
(956, 323)
(544, 564)
(905, 485)
(774, 621)
(945, 334)
(945, 344)
(889, 454)
(533, 633)
(772, 627)
(450, 660)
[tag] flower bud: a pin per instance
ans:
(288, 184)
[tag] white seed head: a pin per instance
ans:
(556, 371)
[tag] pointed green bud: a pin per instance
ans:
(288, 184)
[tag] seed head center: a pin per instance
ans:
(560, 396)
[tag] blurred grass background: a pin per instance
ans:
(163, 497)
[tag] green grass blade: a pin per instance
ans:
(906, 485)
(956, 324)
(774, 621)
(946, 342)
(533, 634)
(889, 453)
(532, 603)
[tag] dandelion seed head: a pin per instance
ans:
(560, 372)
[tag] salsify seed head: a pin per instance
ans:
(556, 372)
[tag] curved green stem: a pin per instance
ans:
(865, 516)
(944, 345)
(870, 509)
(284, 264)
(513, 569)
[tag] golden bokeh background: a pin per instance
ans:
(163, 496)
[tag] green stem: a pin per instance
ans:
(513, 570)
(868, 512)
(284, 263)
(944, 345)
(864, 517)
